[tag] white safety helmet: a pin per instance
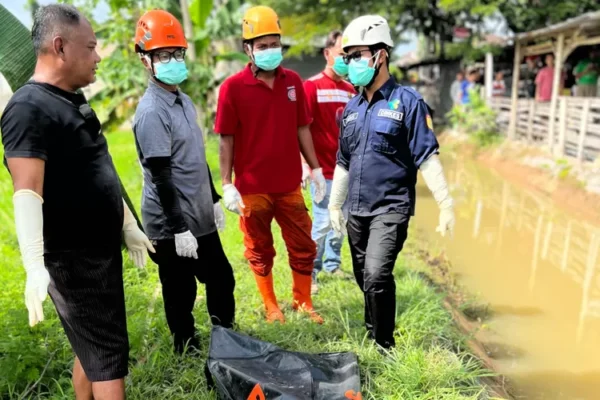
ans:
(367, 30)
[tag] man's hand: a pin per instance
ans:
(219, 216)
(186, 245)
(446, 222)
(339, 191)
(36, 291)
(338, 222)
(433, 174)
(136, 241)
(137, 244)
(29, 226)
(305, 175)
(233, 199)
(320, 183)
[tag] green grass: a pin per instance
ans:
(428, 363)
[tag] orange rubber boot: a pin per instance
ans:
(265, 286)
(302, 299)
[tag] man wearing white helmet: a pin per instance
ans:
(386, 135)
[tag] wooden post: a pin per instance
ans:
(562, 127)
(489, 75)
(512, 127)
(558, 63)
(583, 129)
(530, 122)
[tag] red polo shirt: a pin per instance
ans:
(324, 97)
(265, 123)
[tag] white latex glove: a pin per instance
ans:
(186, 245)
(321, 184)
(446, 222)
(29, 222)
(433, 174)
(219, 216)
(339, 191)
(305, 175)
(232, 199)
(136, 241)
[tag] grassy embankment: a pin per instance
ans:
(429, 362)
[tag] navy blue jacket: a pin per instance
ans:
(382, 145)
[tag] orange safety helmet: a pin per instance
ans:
(260, 21)
(158, 29)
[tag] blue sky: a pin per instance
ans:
(17, 7)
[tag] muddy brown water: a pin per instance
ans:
(537, 266)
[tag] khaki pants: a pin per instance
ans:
(587, 90)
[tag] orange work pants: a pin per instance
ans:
(291, 214)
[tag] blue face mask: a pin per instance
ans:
(268, 59)
(340, 67)
(360, 73)
(172, 73)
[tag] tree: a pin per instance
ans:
(17, 57)
(302, 19)
(121, 73)
(522, 16)
(433, 19)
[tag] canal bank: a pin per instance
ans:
(532, 263)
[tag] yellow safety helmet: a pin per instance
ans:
(260, 21)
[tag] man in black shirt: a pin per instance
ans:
(69, 210)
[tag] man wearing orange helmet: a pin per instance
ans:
(180, 207)
(263, 121)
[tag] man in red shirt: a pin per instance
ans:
(263, 121)
(327, 94)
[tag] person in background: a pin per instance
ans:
(386, 136)
(544, 80)
(69, 211)
(467, 86)
(498, 86)
(180, 206)
(326, 94)
(586, 74)
(456, 87)
(529, 76)
(264, 125)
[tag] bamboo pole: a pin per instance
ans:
(583, 129)
(530, 123)
(558, 63)
(512, 127)
(562, 125)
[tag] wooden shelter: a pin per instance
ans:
(569, 126)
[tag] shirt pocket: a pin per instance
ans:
(386, 136)
(350, 137)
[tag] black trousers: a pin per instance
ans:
(178, 278)
(375, 243)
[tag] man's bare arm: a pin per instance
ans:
(27, 173)
(226, 158)
(307, 147)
